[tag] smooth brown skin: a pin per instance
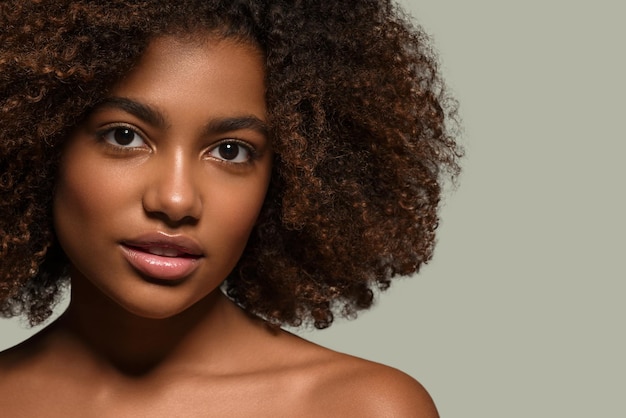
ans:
(129, 347)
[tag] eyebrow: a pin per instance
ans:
(229, 124)
(140, 110)
(215, 126)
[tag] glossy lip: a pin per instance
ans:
(142, 254)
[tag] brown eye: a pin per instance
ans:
(232, 151)
(228, 151)
(123, 136)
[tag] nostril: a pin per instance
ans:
(172, 207)
(170, 221)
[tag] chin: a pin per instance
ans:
(164, 303)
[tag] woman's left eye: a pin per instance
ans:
(124, 137)
(232, 152)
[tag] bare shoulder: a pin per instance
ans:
(13, 360)
(23, 360)
(365, 388)
(30, 361)
(17, 375)
(394, 393)
(343, 385)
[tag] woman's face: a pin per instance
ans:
(159, 188)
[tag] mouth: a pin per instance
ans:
(164, 251)
(162, 257)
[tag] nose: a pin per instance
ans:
(172, 193)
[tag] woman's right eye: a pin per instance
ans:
(123, 136)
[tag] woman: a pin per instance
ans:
(151, 152)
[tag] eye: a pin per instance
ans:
(123, 136)
(232, 151)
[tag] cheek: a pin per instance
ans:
(87, 195)
(74, 195)
(72, 209)
(239, 209)
(78, 195)
(241, 212)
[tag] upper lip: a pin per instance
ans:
(181, 243)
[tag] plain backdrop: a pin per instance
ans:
(520, 312)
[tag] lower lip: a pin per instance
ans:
(160, 267)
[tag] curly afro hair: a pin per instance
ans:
(360, 123)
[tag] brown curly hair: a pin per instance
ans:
(361, 126)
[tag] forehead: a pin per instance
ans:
(202, 53)
(202, 71)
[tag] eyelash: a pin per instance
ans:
(252, 154)
(250, 150)
(102, 136)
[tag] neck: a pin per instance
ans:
(136, 346)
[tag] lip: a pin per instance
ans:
(163, 257)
